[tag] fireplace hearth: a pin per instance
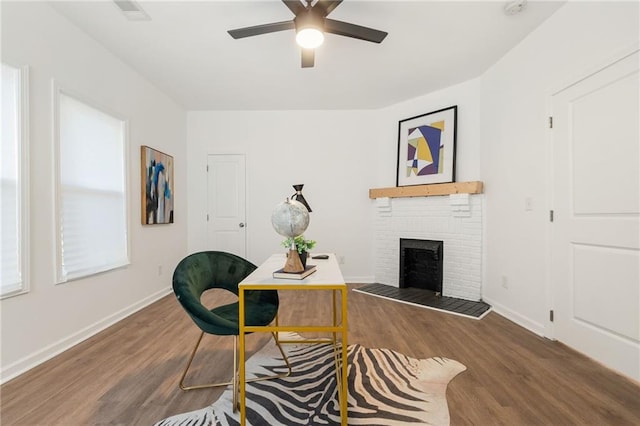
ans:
(421, 264)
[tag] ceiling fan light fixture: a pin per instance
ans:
(309, 38)
(310, 23)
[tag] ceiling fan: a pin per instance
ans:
(311, 23)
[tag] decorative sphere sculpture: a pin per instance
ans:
(290, 218)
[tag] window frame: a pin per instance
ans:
(23, 183)
(60, 277)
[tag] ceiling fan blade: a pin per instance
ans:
(295, 6)
(327, 6)
(308, 58)
(261, 29)
(354, 31)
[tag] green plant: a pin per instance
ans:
(302, 245)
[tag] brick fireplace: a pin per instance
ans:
(455, 220)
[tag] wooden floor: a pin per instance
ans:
(127, 375)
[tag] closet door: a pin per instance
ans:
(596, 227)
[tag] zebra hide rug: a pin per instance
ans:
(385, 388)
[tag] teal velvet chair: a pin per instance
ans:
(207, 270)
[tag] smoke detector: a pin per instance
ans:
(514, 7)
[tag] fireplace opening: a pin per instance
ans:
(421, 264)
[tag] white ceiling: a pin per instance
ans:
(186, 52)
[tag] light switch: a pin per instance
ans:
(528, 204)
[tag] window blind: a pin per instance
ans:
(92, 201)
(11, 185)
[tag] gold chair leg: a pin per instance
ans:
(184, 374)
(284, 356)
(236, 378)
(236, 388)
(275, 376)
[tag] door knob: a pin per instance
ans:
(241, 225)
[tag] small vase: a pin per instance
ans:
(303, 258)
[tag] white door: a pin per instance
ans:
(595, 266)
(226, 227)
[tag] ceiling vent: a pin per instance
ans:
(132, 10)
(514, 7)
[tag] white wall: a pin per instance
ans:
(515, 156)
(430, 217)
(467, 96)
(50, 318)
(331, 152)
(338, 155)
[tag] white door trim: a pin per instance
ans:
(598, 65)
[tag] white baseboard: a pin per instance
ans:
(30, 361)
(359, 280)
(513, 316)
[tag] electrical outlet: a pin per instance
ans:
(159, 270)
(504, 282)
(341, 260)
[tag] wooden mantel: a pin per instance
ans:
(474, 187)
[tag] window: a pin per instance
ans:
(92, 225)
(14, 218)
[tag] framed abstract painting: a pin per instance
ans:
(427, 148)
(157, 186)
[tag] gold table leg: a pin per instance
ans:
(241, 370)
(344, 414)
